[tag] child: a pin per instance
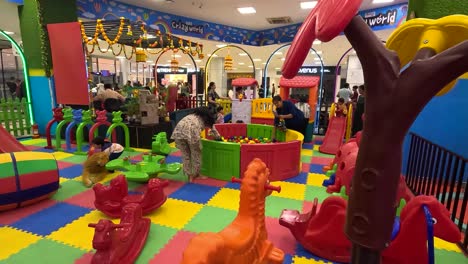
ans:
(114, 150)
(341, 109)
(220, 115)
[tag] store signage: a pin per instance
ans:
(168, 70)
(19, 2)
(385, 17)
(187, 27)
(314, 70)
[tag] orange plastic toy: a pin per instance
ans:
(245, 240)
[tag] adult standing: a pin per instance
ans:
(292, 116)
(359, 111)
(345, 93)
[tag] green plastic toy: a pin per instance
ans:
(332, 171)
(143, 171)
(160, 146)
(86, 120)
(67, 118)
(117, 122)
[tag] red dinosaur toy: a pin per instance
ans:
(110, 199)
(322, 233)
(343, 151)
(121, 243)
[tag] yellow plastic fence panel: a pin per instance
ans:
(226, 104)
(263, 108)
(349, 122)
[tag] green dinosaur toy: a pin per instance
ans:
(160, 145)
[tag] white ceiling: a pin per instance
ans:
(225, 11)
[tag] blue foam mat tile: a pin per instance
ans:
(318, 142)
(196, 193)
(288, 259)
(301, 178)
(51, 219)
(316, 168)
(232, 185)
(71, 172)
(307, 146)
(45, 150)
(173, 159)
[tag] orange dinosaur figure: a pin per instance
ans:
(244, 241)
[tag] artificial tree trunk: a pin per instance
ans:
(393, 101)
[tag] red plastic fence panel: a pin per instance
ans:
(262, 121)
(231, 130)
(71, 82)
(283, 159)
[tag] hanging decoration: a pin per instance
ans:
(228, 62)
(174, 64)
(141, 41)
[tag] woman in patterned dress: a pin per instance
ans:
(187, 139)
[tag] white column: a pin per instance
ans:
(124, 68)
(217, 74)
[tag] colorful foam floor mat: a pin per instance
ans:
(59, 226)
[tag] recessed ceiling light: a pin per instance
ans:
(250, 66)
(257, 59)
(277, 68)
(120, 57)
(169, 61)
(234, 68)
(257, 68)
(242, 54)
(278, 53)
(246, 10)
(149, 61)
(317, 42)
(9, 32)
(177, 56)
(318, 52)
(264, 63)
(283, 59)
(221, 45)
(198, 60)
(308, 5)
(188, 64)
(214, 55)
(382, 1)
(241, 63)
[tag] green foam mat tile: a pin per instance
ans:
(306, 159)
(317, 153)
(180, 176)
(158, 237)
(76, 159)
(69, 189)
(313, 192)
(449, 257)
(210, 219)
(46, 251)
(275, 205)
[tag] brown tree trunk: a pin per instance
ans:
(393, 101)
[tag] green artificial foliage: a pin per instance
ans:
(435, 9)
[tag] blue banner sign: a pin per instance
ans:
(377, 19)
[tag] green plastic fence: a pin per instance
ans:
(264, 131)
(14, 117)
(220, 160)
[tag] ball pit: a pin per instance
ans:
(239, 144)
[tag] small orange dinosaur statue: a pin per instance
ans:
(244, 241)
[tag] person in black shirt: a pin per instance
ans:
(292, 116)
(359, 111)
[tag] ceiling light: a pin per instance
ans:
(257, 59)
(149, 61)
(318, 52)
(241, 63)
(188, 64)
(317, 42)
(264, 63)
(283, 59)
(277, 68)
(257, 68)
(242, 54)
(221, 45)
(317, 59)
(234, 68)
(382, 1)
(246, 10)
(169, 60)
(9, 32)
(278, 53)
(198, 60)
(250, 66)
(308, 5)
(120, 57)
(177, 56)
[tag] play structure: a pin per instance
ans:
(26, 178)
(9, 143)
(79, 119)
(121, 243)
(303, 82)
(338, 131)
(321, 231)
(242, 107)
(143, 171)
(222, 160)
(432, 56)
(112, 198)
(245, 240)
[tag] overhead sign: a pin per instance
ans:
(169, 70)
(314, 70)
(385, 17)
(19, 2)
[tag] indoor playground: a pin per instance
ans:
(91, 172)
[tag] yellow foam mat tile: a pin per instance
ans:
(226, 199)
(175, 213)
(306, 152)
(33, 141)
(303, 260)
(290, 190)
(141, 150)
(172, 145)
(316, 147)
(316, 179)
(62, 180)
(14, 240)
(77, 233)
(59, 155)
(442, 244)
(108, 177)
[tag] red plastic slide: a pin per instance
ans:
(334, 136)
(9, 143)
